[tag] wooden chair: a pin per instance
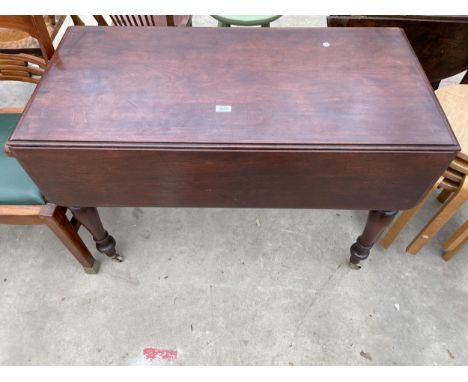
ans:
(39, 35)
(21, 202)
(454, 182)
(246, 21)
(440, 42)
(146, 20)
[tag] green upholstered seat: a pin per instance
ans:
(16, 187)
(247, 21)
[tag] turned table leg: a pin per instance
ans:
(89, 218)
(376, 223)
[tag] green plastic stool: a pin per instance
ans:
(246, 21)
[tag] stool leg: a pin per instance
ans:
(440, 218)
(444, 195)
(404, 218)
(455, 242)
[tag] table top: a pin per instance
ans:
(235, 87)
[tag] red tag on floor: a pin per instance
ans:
(165, 354)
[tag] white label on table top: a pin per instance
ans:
(223, 108)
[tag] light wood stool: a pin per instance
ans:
(450, 207)
(454, 182)
(456, 241)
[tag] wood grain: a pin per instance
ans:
(223, 178)
(129, 117)
(20, 215)
(283, 86)
(305, 120)
(439, 41)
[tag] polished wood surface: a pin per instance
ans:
(283, 86)
(274, 118)
(298, 120)
(233, 178)
(439, 41)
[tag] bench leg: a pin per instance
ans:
(376, 223)
(89, 218)
(55, 218)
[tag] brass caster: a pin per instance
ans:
(118, 258)
(354, 266)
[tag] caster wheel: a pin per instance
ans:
(354, 266)
(118, 258)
